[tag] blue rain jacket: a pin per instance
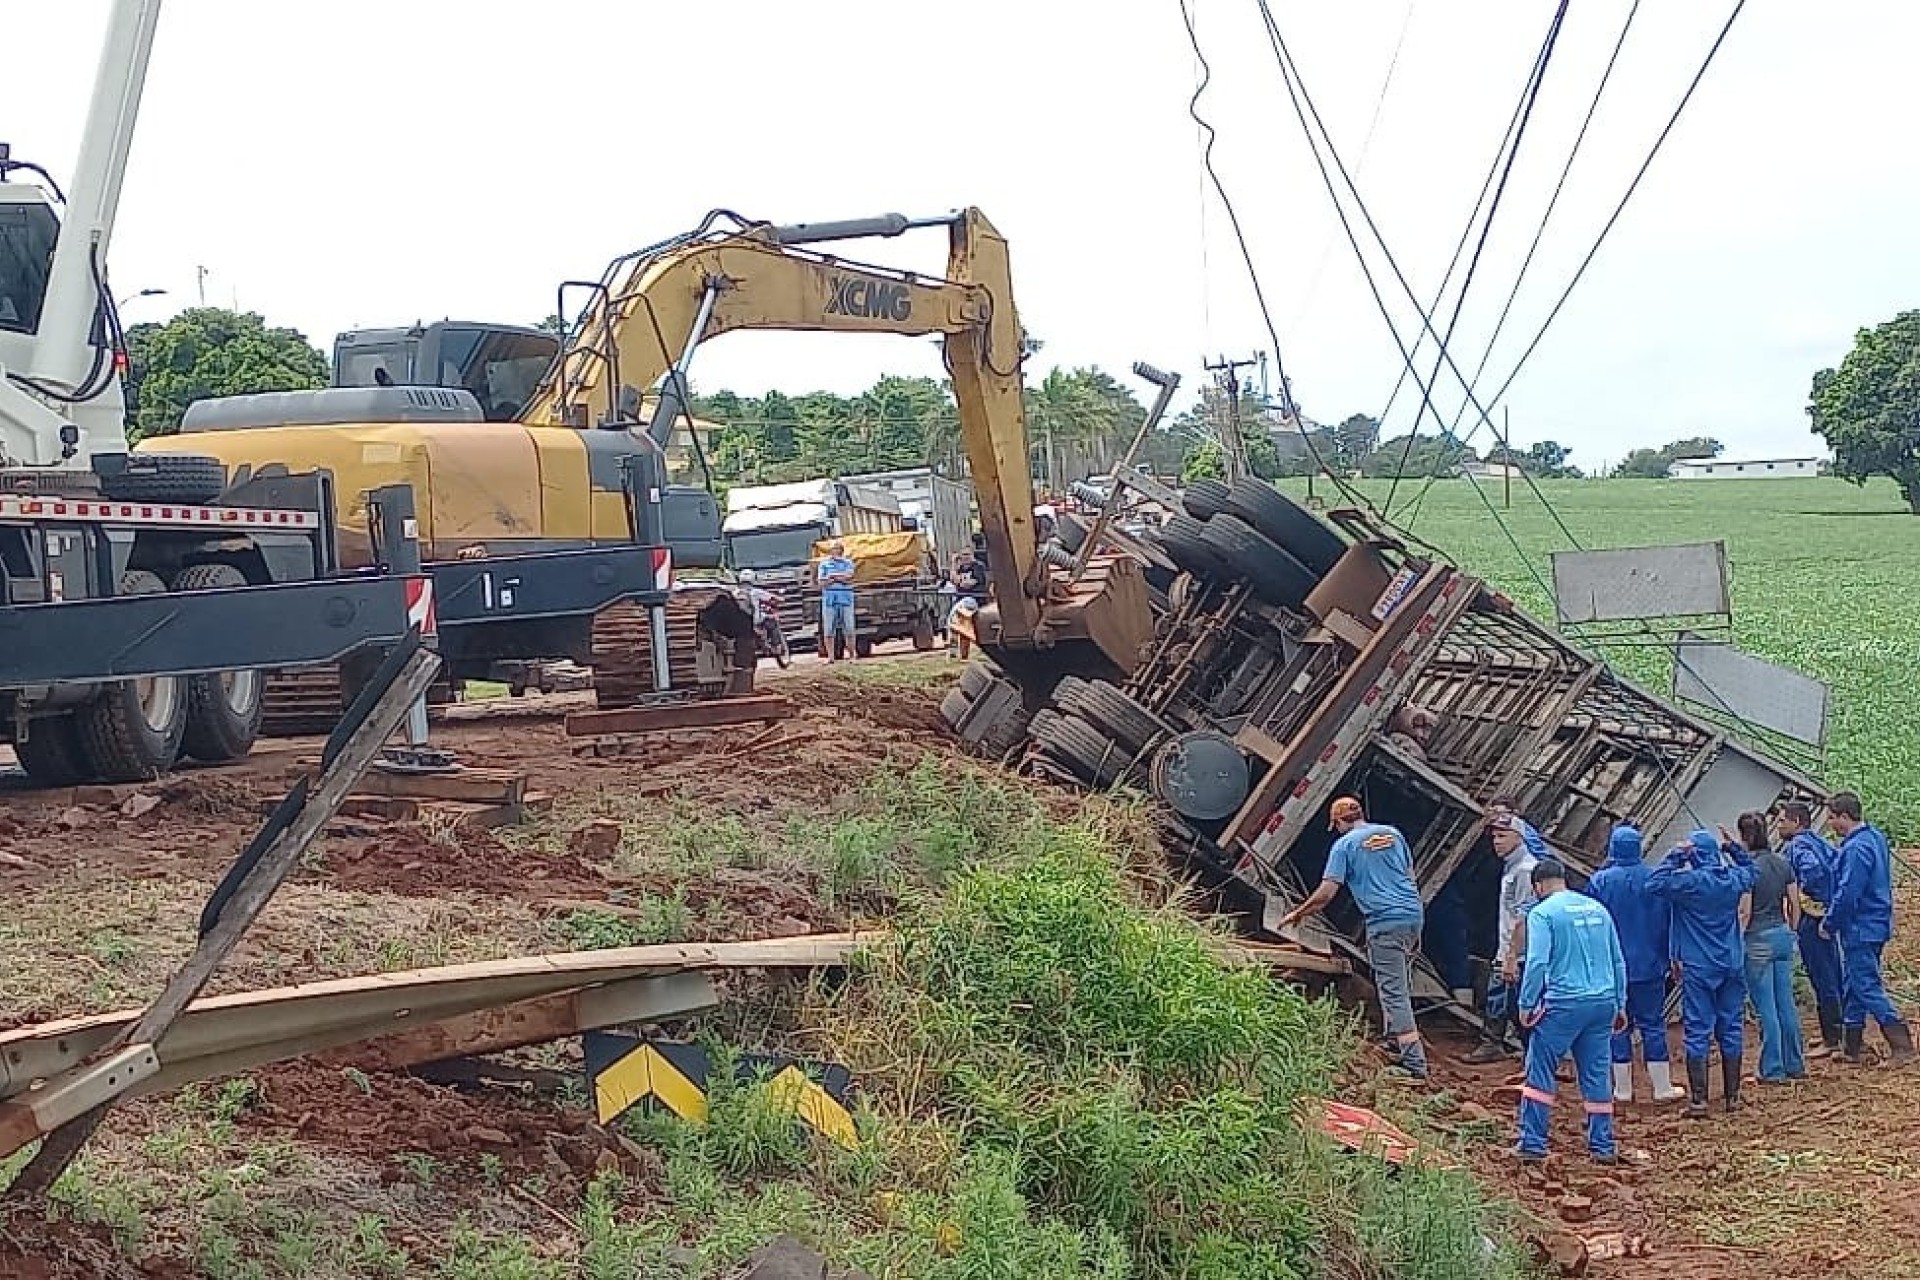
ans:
(1643, 920)
(1815, 866)
(1705, 893)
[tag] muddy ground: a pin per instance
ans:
(102, 890)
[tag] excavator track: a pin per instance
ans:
(310, 702)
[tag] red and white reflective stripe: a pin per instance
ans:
(420, 610)
(1599, 1108)
(155, 513)
(1530, 1094)
(662, 568)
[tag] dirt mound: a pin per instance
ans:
(378, 1118)
(211, 795)
(413, 861)
(876, 706)
(33, 1248)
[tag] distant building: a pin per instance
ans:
(1490, 470)
(1741, 468)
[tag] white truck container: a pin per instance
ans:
(941, 508)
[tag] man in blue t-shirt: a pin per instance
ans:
(1373, 861)
(835, 576)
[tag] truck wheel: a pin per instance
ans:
(1291, 526)
(223, 709)
(1128, 723)
(131, 731)
(1204, 499)
(50, 753)
(975, 677)
(167, 477)
(1080, 749)
(954, 706)
(1181, 538)
(1071, 532)
(863, 646)
(924, 637)
(1274, 575)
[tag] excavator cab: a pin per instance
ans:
(500, 364)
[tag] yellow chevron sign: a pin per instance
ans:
(626, 1071)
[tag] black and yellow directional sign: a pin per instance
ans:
(628, 1070)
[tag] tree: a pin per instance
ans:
(555, 324)
(1352, 441)
(1548, 460)
(1868, 410)
(209, 351)
(1429, 456)
(1652, 464)
(1205, 461)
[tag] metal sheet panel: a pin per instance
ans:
(1626, 583)
(1733, 784)
(1723, 680)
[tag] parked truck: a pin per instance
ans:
(896, 591)
(1296, 661)
(770, 530)
(940, 508)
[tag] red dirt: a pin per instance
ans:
(406, 859)
(33, 1248)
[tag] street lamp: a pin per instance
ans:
(144, 293)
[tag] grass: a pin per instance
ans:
(1825, 579)
(1056, 1078)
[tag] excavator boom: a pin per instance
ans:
(650, 311)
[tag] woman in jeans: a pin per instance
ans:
(1769, 916)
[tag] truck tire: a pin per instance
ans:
(131, 731)
(1204, 499)
(975, 677)
(167, 477)
(954, 707)
(1080, 749)
(1129, 724)
(1275, 576)
(1291, 526)
(50, 754)
(1072, 533)
(1181, 538)
(924, 635)
(223, 709)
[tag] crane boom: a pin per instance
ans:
(651, 311)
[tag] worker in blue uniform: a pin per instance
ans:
(1861, 917)
(1815, 866)
(1704, 880)
(1573, 993)
(1643, 922)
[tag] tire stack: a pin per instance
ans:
(1249, 531)
(1095, 735)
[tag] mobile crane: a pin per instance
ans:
(594, 427)
(108, 670)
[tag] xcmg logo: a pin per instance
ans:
(868, 299)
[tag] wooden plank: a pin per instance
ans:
(473, 786)
(253, 894)
(682, 715)
(1284, 957)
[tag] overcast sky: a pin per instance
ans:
(360, 163)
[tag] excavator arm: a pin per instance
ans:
(651, 310)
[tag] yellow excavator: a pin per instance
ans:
(609, 406)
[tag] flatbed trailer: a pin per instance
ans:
(906, 609)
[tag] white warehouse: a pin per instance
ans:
(1742, 468)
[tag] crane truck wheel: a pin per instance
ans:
(131, 732)
(223, 708)
(1181, 538)
(1204, 499)
(1290, 525)
(1275, 576)
(50, 753)
(975, 677)
(1081, 749)
(167, 477)
(954, 707)
(1106, 708)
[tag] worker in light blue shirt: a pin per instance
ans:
(835, 576)
(1373, 861)
(1573, 992)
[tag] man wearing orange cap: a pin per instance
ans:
(1373, 861)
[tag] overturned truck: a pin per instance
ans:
(1295, 660)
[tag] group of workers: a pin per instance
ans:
(1580, 972)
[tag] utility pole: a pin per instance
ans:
(1506, 450)
(1234, 441)
(200, 274)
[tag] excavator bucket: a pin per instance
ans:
(1096, 626)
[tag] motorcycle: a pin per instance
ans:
(765, 607)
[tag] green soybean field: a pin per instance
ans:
(1825, 579)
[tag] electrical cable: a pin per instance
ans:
(1287, 405)
(1297, 95)
(1559, 186)
(1530, 99)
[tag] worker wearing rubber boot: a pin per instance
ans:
(1519, 847)
(1861, 917)
(1374, 861)
(1704, 882)
(1643, 923)
(1815, 866)
(1573, 993)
